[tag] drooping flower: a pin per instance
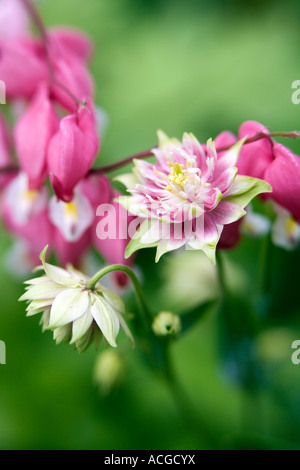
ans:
(111, 235)
(71, 41)
(256, 156)
(22, 67)
(14, 19)
(72, 151)
(20, 203)
(283, 174)
(187, 196)
(285, 230)
(72, 218)
(32, 134)
(75, 312)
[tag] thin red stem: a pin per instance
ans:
(36, 18)
(149, 153)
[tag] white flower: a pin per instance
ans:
(75, 312)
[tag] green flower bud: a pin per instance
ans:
(109, 370)
(166, 324)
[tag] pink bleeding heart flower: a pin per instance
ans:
(32, 134)
(255, 156)
(5, 153)
(187, 196)
(22, 67)
(71, 41)
(5, 144)
(72, 151)
(72, 218)
(20, 204)
(14, 19)
(25, 215)
(112, 235)
(231, 235)
(71, 252)
(70, 71)
(283, 174)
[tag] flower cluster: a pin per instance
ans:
(280, 167)
(194, 195)
(55, 138)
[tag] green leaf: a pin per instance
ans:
(245, 188)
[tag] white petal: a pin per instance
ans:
(56, 274)
(81, 326)
(38, 305)
(72, 218)
(24, 203)
(106, 319)
(113, 299)
(68, 306)
(44, 290)
(63, 333)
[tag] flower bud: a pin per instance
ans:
(166, 324)
(108, 370)
(32, 134)
(72, 152)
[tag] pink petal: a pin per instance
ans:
(72, 152)
(225, 139)
(256, 156)
(21, 67)
(226, 213)
(230, 236)
(72, 41)
(71, 252)
(113, 246)
(32, 135)
(284, 176)
(5, 144)
(14, 19)
(75, 77)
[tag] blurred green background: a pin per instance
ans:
(178, 66)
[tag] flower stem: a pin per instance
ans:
(138, 290)
(37, 20)
(149, 153)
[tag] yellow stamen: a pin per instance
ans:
(30, 195)
(290, 226)
(71, 210)
(177, 175)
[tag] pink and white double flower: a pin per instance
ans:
(187, 196)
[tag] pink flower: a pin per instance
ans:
(71, 252)
(5, 144)
(111, 236)
(32, 135)
(72, 152)
(5, 153)
(72, 41)
(256, 156)
(187, 196)
(22, 67)
(68, 54)
(13, 19)
(273, 162)
(20, 204)
(283, 174)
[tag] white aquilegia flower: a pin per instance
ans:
(74, 312)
